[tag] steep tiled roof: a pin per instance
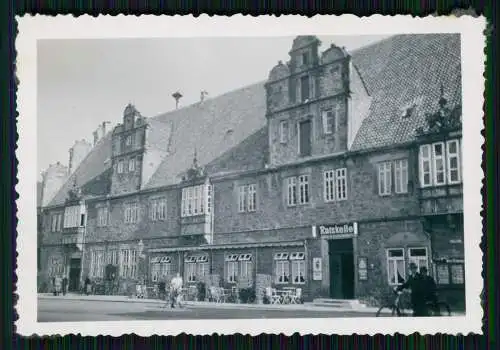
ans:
(229, 132)
(210, 128)
(400, 71)
(92, 166)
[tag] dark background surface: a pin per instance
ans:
(8, 167)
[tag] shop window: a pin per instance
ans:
(450, 273)
(282, 268)
(231, 269)
(298, 268)
(396, 266)
(97, 264)
(246, 267)
(191, 272)
(442, 274)
(155, 272)
(201, 267)
(418, 256)
(161, 268)
(128, 262)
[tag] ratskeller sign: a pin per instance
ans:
(345, 229)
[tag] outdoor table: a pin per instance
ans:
(283, 294)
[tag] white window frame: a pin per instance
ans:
(56, 221)
(298, 267)
(419, 260)
(102, 216)
(113, 257)
(231, 271)
(341, 184)
(425, 160)
(131, 213)
(252, 197)
(435, 159)
(304, 195)
(242, 199)
(190, 272)
(120, 167)
(282, 271)
(131, 165)
(157, 209)
(71, 216)
(401, 176)
(245, 266)
(155, 272)
(284, 131)
(394, 262)
(385, 174)
(97, 263)
(292, 195)
(124, 263)
(329, 185)
(449, 157)
(196, 200)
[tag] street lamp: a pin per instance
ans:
(141, 267)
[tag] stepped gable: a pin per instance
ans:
(210, 128)
(402, 72)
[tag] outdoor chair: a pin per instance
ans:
(297, 297)
(274, 298)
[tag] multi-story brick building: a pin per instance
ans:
(330, 177)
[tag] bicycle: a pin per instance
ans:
(397, 307)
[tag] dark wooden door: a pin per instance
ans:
(305, 138)
(335, 276)
(347, 262)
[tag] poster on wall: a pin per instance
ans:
(317, 275)
(362, 269)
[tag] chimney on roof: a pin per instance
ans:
(177, 96)
(100, 132)
(77, 153)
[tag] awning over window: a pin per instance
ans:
(281, 256)
(202, 259)
(232, 257)
(245, 257)
(161, 260)
(190, 259)
(297, 256)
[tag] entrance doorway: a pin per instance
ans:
(341, 257)
(74, 275)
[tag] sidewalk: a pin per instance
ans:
(205, 304)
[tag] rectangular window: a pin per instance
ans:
(247, 198)
(155, 272)
(442, 274)
(457, 273)
(112, 257)
(304, 88)
(131, 164)
(120, 166)
(453, 161)
(71, 216)
(298, 268)
(131, 213)
(129, 140)
(292, 191)
(396, 272)
(305, 58)
(246, 269)
(341, 183)
(425, 166)
(231, 271)
(191, 272)
(157, 209)
(201, 270)
(102, 216)
(438, 163)
(419, 257)
(195, 200)
(303, 189)
(329, 185)
(56, 221)
(384, 178)
(401, 176)
(97, 264)
(305, 143)
(282, 271)
(124, 263)
(329, 121)
(284, 131)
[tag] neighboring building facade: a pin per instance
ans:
(326, 178)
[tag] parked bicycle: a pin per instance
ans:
(397, 307)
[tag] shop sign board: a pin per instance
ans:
(317, 269)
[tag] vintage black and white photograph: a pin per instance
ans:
(298, 176)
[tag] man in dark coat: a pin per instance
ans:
(429, 286)
(416, 283)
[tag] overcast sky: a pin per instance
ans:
(84, 82)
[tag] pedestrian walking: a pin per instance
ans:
(58, 284)
(64, 285)
(175, 290)
(88, 286)
(417, 285)
(429, 286)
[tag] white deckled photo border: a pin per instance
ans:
(33, 28)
